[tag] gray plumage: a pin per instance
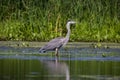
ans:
(57, 43)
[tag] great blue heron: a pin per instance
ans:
(57, 43)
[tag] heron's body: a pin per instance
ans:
(53, 44)
(57, 43)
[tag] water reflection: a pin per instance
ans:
(74, 64)
(57, 69)
(29, 68)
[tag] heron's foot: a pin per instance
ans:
(56, 54)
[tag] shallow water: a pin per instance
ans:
(73, 63)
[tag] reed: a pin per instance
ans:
(42, 20)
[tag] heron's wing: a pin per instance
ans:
(53, 44)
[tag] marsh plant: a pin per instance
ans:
(42, 20)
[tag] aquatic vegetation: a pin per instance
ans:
(42, 20)
(103, 55)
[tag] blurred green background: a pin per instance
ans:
(42, 20)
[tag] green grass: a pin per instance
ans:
(42, 20)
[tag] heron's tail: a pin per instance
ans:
(41, 50)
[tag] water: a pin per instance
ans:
(73, 63)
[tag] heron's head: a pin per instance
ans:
(69, 23)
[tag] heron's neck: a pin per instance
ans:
(68, 33)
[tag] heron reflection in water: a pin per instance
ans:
(56, 69)
(57, 43)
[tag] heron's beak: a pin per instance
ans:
(74, 22)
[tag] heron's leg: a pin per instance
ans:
(56, 51)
